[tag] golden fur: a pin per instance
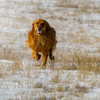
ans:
(42, 38)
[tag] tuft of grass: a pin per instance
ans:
(38, 85)
(56, 78)
(82, 89)
(17, 66)
(60, 88)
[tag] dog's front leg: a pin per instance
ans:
(45, 55)
(36, 55)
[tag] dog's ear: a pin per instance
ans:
(33, 27)
(32, 31)
(48, 26)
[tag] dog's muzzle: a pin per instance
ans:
(39, 31)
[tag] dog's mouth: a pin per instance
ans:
(39, 31)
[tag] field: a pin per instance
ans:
(75, 72)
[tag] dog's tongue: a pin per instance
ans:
(39, 31)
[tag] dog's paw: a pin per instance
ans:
(39, 56)
(36, 57)
(33, 56)
(43, 67)
(51, 57)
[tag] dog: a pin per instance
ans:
(42, 38)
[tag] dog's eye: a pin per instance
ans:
(42, 24)
(36, 23)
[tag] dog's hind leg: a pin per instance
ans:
(51, 54)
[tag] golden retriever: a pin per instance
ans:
(42, 38)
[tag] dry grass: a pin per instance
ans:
(84, 5)
(82, 89)
(80, 61)
(82, 36)
(38, 85)
(60, 88)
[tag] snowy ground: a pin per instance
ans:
(77, 23)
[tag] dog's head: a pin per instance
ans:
(40, 26)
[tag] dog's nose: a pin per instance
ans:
(39, 28)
